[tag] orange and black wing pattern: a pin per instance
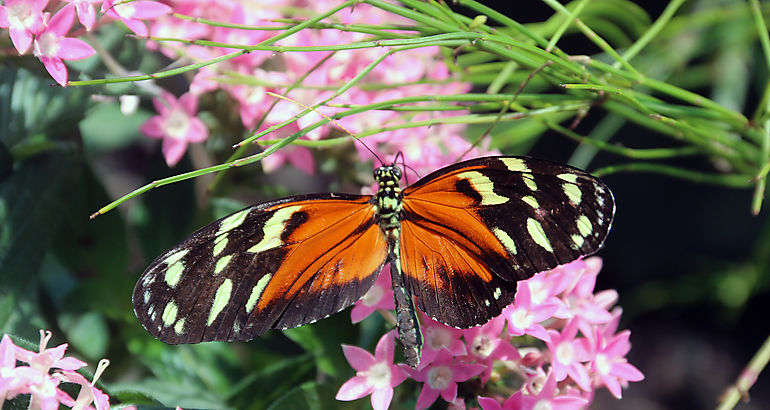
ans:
(276, 265)
(471, 230)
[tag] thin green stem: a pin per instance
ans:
(158, 75)
(652, 32)
(732, 181)
(597, 39)
(567, 22)
(747, 378)
(446, 40)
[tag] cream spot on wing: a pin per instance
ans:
(179, 326)
(584, 225)
(538, 234)
(222, 264)
(219, 244)
(515, 164)
(233, 221)
(573, 192)
(484, 187)
(572, 178)
(531, 201)
(174, 267)
(256, 292)
(273, 229)
(169, 313)
(221, 298)
(529, 181)
(578, 240)
(505, 239)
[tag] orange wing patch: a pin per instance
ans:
(450, 280)
(332, 246)
(326, 249)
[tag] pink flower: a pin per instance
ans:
(131, 13)
(88, 392)
(48, 358)
(439, 338)
(51, 45)
(375, 375)
(300, 157)
(608, 363)
(568, 356)
(12, 379)
(176, 124)
(379, 296)
(486, 346)
(441, 378)
(34, 379)
(547, 398)
(86, 12)
(23, 19)
(524, 317)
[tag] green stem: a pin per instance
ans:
(732, 181)
(747, 378)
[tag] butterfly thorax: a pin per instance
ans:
(388, 197)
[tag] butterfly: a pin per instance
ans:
(458, 240)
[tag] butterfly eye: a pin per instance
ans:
(396, 173)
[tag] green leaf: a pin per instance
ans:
(87, 332)
(31, 106)
(169, 394)
(324, 338)
(107, 128)
(311, 396)
(30, 200)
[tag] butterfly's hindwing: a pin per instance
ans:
(279, 264)
(472, 229)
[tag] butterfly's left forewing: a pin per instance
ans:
(470, 230)
(278, 265)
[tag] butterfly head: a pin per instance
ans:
(387, 176)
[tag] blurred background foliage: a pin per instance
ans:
(686, 254)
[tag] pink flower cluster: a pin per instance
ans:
(30, 24)
(34, 376)
(317, 74)
(555, 344)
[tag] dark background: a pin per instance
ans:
(675, 249)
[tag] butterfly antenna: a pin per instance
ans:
(405, 166)
(283, 97)
(506, 105)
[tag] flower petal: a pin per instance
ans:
(149, 9)
(153, 127)
(21, 39)
(385, 348)
(74, 49)
(173, 150)
(56, 68)
(86, 14)
(381, 399)
(353, 389)
(62, 21)
(359, 359)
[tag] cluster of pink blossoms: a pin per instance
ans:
(46, 27)
(34, 376)
(558, 342)
(245, 79)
